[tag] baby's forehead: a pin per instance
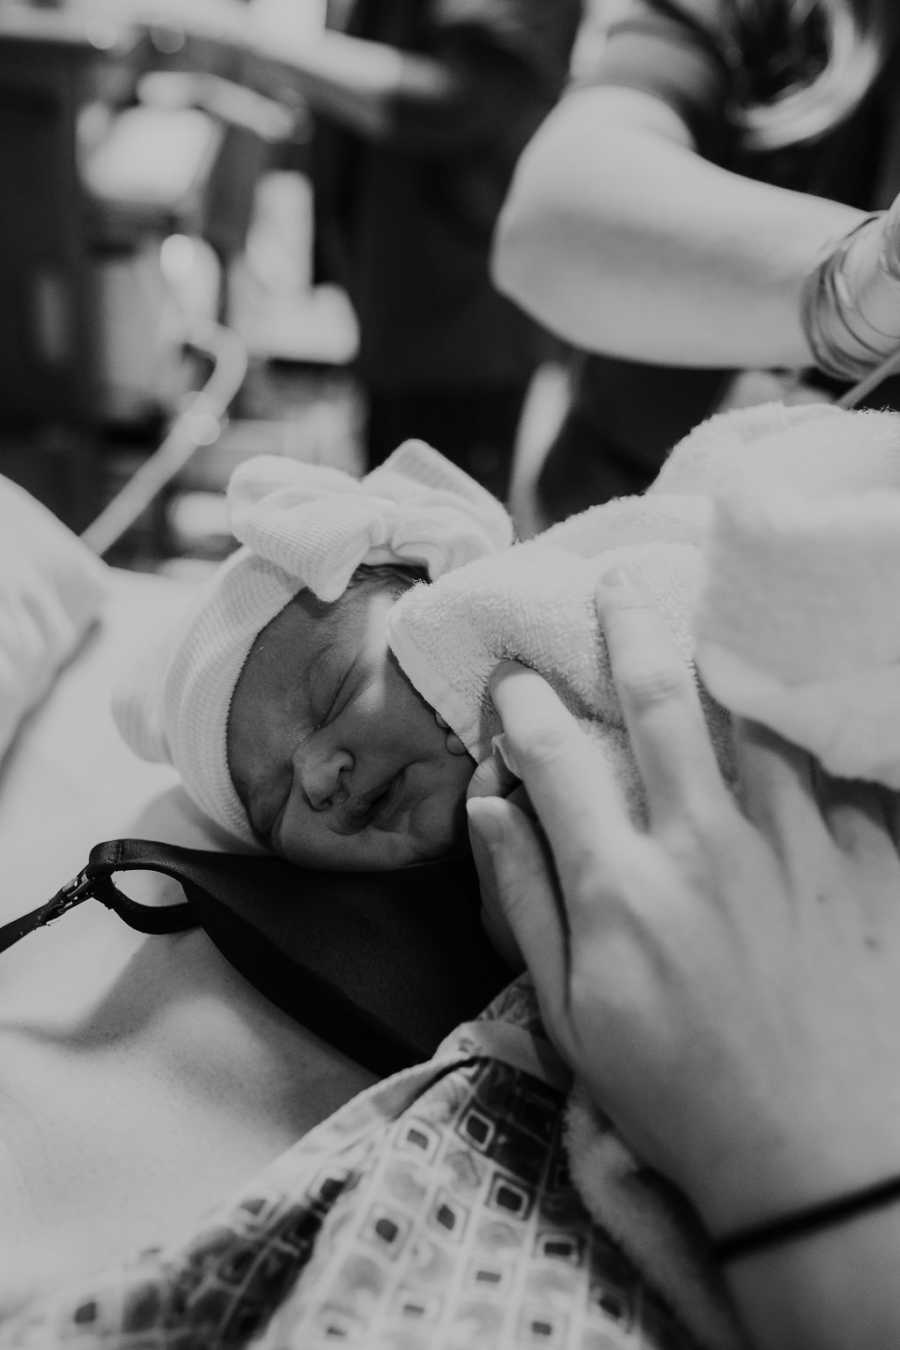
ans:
(340, 625)
(308, 629)
(343, 617)
(369, 586)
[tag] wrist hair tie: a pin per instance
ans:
(791, 1227)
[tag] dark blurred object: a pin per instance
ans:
(99, 167)
(51, 68)
(608, 444)
(405, 219)
(473, 427)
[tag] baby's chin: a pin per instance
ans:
(384, 854)
(437, 823)
(380, 851)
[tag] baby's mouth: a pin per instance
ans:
(390, 806)
(377, 808)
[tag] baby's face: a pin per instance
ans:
(338, 761)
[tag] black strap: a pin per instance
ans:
(94, 883)
(792, 1227)
(64, 900)
(382, 965)
(190, 867)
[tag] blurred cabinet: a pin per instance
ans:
(51, 70)
(92, 181)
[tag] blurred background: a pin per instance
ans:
(221, 237)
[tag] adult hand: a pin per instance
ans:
(725, 979)
(493, 778)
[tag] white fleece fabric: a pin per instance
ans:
(770, 543)
(535, 603)
(798, 625)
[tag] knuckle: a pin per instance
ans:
(615, 984)
(646, 688)
(544, 747)
(517, 897)
(706, 820)
(604, 886)
(704, 842)
(587, 885)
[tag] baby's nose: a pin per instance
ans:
(323, 777)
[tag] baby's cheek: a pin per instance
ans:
(440, 818)
(457, 770)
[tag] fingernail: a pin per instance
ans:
(503, 670)
(501, 747)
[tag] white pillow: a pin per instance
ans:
(51, 591)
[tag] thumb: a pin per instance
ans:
(522, 884)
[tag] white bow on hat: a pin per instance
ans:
(319, 524)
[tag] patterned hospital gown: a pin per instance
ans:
(432, 1212)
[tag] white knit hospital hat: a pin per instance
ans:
(299, 526)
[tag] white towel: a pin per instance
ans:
(799, 626)
(771, 544)
(535, 603)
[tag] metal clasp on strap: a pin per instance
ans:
(68, 896)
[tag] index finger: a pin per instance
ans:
(668, 734)
(577, 799)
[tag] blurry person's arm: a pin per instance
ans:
(383, 93)
(375, 89)
(620, 237)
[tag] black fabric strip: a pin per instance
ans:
(790, 1227)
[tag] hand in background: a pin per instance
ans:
(725, 980)
(218, 20)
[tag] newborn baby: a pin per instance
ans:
(335, 757)
(277, 697)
